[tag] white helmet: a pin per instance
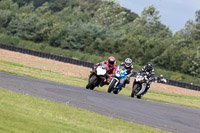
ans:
(128, 62)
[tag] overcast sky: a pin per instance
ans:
(174, 13)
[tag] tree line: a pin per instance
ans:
(103, 27)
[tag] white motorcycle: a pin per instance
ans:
(139, 85)
(97, 76)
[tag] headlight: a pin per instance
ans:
(117, 74)
(139, 78)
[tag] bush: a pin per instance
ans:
(28, 28)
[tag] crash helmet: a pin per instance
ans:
(111, 61)
(149, 66)
(128, 62)
(161, 76)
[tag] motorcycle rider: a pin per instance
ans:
(150, 72)
(161, 79)
(130, 70)
(111, 64)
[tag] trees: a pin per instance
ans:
(28, 28)
(8, 5)
(187, 44)
(111, 14)
(147, 35)
(5, 17)
(89, 6)
(7, 10)
(80, 35)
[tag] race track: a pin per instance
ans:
(169, 117)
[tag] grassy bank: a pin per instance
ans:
(10, 67)
(13, 40)
(25, 114)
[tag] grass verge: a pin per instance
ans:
(25, 114)
(10, 67)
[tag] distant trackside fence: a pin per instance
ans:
(183, 84)
(46, 55)
(84, 63)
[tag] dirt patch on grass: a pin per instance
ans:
(78, 71)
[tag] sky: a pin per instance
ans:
(174, 13)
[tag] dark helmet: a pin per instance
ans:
(111, 60)
(128, 62)
(149, 66)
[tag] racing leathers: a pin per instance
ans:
(130, 71)
(150, 76)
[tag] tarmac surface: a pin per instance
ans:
(168, 117)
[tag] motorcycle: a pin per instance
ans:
(163, 81)
(97, 76)
(160, 80)
(117, 82)
(139, 85)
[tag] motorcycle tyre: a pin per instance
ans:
(111, 86)
(133, 91)
(91, 81)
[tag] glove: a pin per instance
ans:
(145, 77)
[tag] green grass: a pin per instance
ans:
(25, 114)
(5, 66)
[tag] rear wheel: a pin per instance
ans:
(111, 86)
(135, 86)
(90, 84)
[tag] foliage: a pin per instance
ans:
(111, 14)
(86, 37)
(28, 28)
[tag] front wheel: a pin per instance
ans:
(135, 86)
(111, 86)
(90, 84)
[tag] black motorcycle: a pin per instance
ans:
(97, 76)
(139, 85)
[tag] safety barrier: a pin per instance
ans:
(183, 84)
(84, 63)
(46, 55)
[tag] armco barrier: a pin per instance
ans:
(84, 63)
(46, 55)
(183, 84)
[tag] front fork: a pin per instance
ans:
(117, 85)
(113, 78)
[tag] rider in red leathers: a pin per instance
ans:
(111, 64)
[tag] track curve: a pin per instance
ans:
(169, 117)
